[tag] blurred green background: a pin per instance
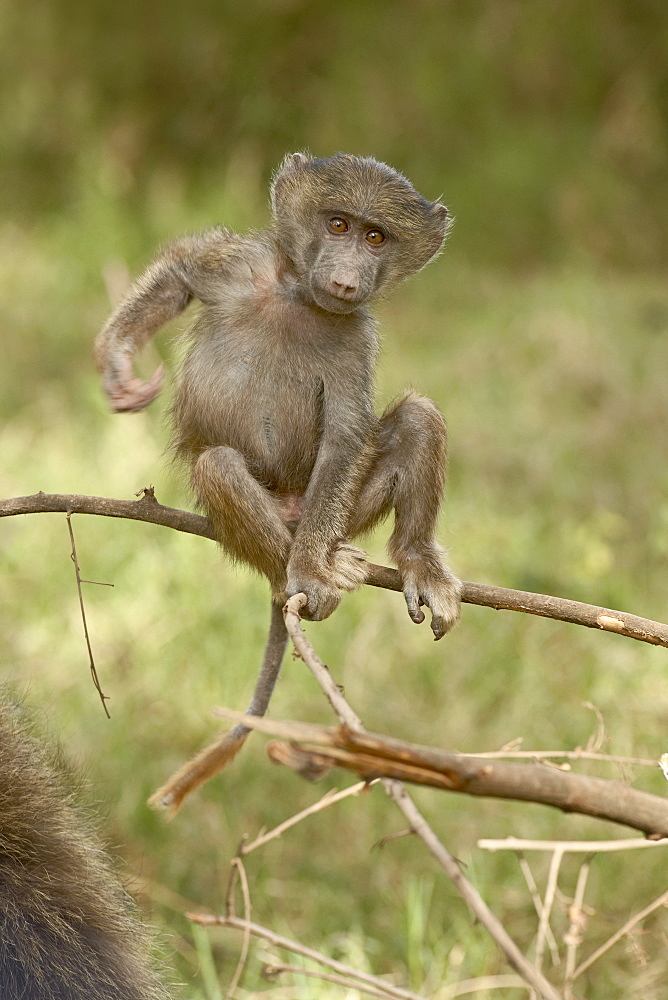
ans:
(541, 333)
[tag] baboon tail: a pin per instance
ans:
(214, 758)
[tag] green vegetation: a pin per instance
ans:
(541, 334)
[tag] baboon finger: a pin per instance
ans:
(413, 603)
(438, 627)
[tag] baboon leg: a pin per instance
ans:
(248, 520)
(408, 476)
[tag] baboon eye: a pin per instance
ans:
(337, 225)
(375, 237)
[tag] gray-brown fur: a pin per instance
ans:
(213, 758)
(273, 409)
(67, 931)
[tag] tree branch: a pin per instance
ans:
(371, 755)
(418, 823)
(148, 509)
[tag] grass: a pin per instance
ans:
(554, 387)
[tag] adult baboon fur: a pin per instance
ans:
(67, 929)
(273, 411)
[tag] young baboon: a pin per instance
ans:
(274, 402)
(66, 929)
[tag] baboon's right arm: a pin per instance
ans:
(187, 269)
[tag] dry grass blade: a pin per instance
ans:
(273, 971)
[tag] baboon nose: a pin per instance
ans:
(343, 288)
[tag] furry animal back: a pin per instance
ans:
(67, 929)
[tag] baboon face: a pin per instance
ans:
(346, 261)
(350, 225)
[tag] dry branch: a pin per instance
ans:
(148, 509)
(329, 799)
(418, 823)
(299, 949)
(637, 918)
(372, 755)
(568, 846)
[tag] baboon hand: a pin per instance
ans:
(347, 570)
(436, 587)
(319, 585)
(128, 394)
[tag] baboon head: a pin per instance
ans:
(350, 225)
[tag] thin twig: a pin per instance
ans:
(577, 917)
(328, 799)
(566, 846)
(77, 574)
(548, 903)
(328, 977)
(525, 868)
(470, 894)
(333, 693)
(297, 948)
(500, 598)
(561, 754)
(661, 900)
(418, 823)
(230, 891)
(245, 942)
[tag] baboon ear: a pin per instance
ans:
(438, 211)
(298, 160)
(440, 216)
(291, 164)
(435, 230)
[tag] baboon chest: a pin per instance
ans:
(257, 382)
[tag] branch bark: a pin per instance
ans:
(148, 509)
